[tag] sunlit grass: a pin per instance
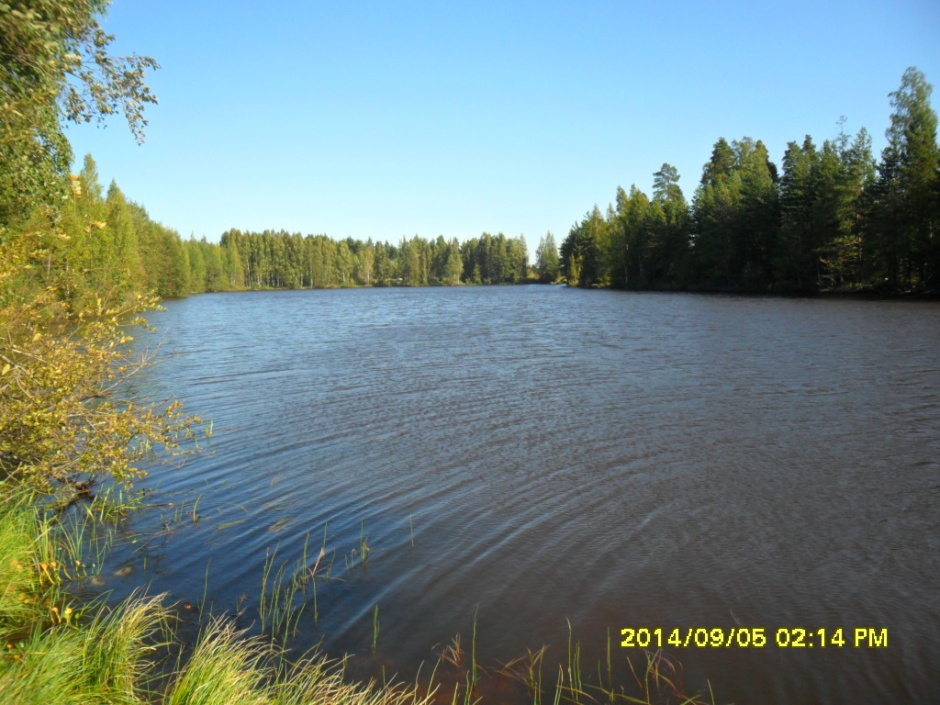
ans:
(20, 575)
(227, 667)
(224, 668)
(107, 658)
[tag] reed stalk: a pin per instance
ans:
(375, 628)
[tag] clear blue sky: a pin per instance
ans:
(390, 119)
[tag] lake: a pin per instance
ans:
(536, 459)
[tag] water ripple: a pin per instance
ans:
(613, 459)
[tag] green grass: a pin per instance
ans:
(106, 660)
(54, 650)
(283, 593)
(226, 667)
(375, 628)
(21, 577)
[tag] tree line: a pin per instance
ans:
(109, 243)
(832, 220)
(292, 261)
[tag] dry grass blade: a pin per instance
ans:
(316, 681)
(453, 653)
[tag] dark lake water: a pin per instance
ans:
(534, 457)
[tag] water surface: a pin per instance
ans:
(538, 456)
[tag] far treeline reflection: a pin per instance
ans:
(832, 219)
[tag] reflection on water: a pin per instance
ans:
(539, 456)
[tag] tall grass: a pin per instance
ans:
(54, 650)
(21, 574)
(226, 667)
(316, 681)
(107, 661)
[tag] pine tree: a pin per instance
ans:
(671, 230)
(908, 178)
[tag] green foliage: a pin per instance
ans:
(640, 244)
(829, 222)
(547, 262)
(736, 217)
(585, 259)
(671, 224)
(497, 259)
(453, 264)
(278, 260)
(632, 254)
(55, 67)
(68, 295)
(905, 205)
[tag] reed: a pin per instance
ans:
(84, 543)
(465, 688)
(364, 548)
(281, 591)
(113, 501)
(359, 555)
(205, 593)
(528, 670)
(658, 682)
(574, 668)
(375, 628)
(474, 674)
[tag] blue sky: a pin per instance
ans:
(391, 119)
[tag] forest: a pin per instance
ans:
(832, 219)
